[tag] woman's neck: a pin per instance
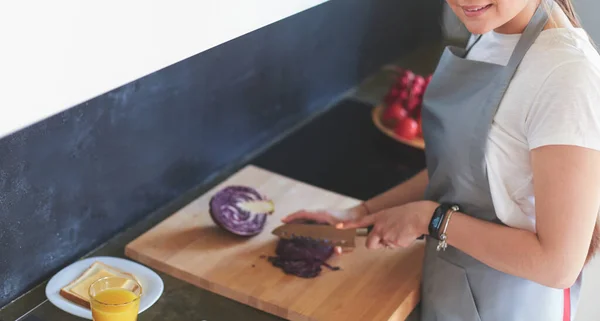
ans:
(558, 19)
(517, 24)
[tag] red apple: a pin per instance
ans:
(417, 90)
(413, 103)
(394, 114)
(406, 79)
(407, 128)
(404, 82)
(404, 95)
(419, 81)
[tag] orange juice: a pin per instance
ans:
(116, 304)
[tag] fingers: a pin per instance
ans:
(295, 216)
(338, 250)
(384, 238)
(361, 222)
(374, 242)
(394, 241)
(390, 244)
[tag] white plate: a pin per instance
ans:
(152, 284)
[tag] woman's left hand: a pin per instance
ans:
(395, 227)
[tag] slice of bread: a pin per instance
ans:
(78, 290)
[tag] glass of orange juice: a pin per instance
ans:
(115, 299)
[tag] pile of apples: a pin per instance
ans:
(403, 105)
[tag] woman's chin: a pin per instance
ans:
(478, 28)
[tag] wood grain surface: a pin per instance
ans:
(380, 285)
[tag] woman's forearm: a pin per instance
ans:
(411, 190)
(566, 200)
(513, 251)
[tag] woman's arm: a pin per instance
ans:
(411, 190)
(567, 192)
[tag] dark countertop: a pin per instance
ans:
(340, 150)
(344, 152)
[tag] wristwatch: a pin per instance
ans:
(438, 219)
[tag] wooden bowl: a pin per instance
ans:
(377, 114)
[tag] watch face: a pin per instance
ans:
(436, 221)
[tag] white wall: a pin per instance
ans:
(588, 10)
(57, 54)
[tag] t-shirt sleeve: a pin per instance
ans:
(566, 111)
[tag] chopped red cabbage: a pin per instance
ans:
(302, 257)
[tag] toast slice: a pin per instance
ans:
(78, 290)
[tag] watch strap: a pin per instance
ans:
(438, 218)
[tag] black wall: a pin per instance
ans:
(70, 182)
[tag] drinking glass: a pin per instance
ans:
(115, 299)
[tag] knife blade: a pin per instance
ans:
(327, 234)
(344, 238)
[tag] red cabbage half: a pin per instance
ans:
(302, 257)
(240, 210)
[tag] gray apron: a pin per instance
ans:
(458, 109)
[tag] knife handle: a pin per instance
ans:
(364, 231)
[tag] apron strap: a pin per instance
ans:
(534, 28)
(532, 31)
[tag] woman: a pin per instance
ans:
(511, 194)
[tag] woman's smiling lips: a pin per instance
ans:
(475, 11)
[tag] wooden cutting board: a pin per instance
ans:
(380, 285)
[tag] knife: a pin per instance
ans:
(328, 234)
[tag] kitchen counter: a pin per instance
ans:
(340, 150)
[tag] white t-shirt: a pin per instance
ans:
(554, 98)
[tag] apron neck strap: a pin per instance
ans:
(532, 31)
